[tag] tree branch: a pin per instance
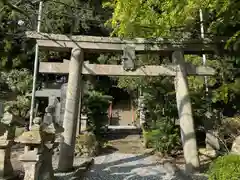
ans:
(15, 7)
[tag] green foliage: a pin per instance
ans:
(164, 137)
(19, 82)
(170, 18)
(87, 144)
(225, 167)
(75, 17)
(179, 20)
(19, 107)
(96, 106)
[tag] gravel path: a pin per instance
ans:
(121, 166)
(118, 166)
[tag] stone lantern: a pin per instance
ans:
(7, 134)
(39, 142)
(32, 158)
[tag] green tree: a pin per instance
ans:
(59, 16)
(180, 20)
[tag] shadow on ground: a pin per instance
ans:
(119, 166)
(108, 150)
(116, 167)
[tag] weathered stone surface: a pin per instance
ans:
(87, 145)
(6, 140)
(30, 137)
(62, 102)
(185, 114)
(7, 118)
(236, 145)
(31, 163)
(54, 110)
(212, 141)
(83, 123)
(128, 58)
(6, 169)
(70, 122)
(39, 144)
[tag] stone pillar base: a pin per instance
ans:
(31, 163)
(38, 166)
(46, 170)
(6, 169)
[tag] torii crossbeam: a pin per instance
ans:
(76, 67)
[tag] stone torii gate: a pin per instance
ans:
(76, 67)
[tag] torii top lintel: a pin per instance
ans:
(94, 43)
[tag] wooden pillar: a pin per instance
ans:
(185, 114)
(71, 112)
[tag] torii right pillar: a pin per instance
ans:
(185, 114)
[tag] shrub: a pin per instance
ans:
(225, 167)
(19, 82)
(164, 138)
(96, 106)
(19, 107)
(86, 144)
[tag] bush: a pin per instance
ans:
(86, 145)
(225, 167)
(95, 106)
(164, 138)
(20, 107)
(19, 82)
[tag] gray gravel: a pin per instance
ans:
(121, 166)
(118, 166)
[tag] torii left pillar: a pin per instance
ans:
(70, 121)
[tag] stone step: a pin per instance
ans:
(123, 130)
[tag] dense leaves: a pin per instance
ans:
(180, 20)
(153, 18)
(226, 167)
(96, 106)
(16, 52)
(19, 83)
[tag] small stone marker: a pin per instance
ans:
(142, 110)
(236, 146)
(83, 122)
(6, 140)
(128, 58)
(62, 102)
